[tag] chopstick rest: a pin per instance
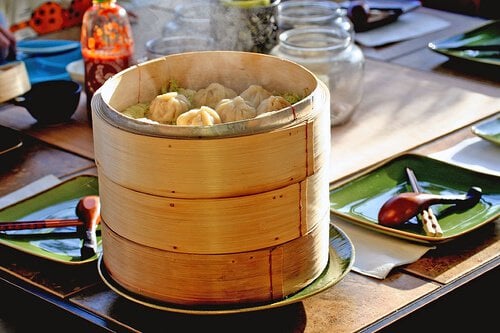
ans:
(427, 217)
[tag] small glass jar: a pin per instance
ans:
(249, 26)
(162, 46)
(330, 53)
(191, 18)
(298, 14)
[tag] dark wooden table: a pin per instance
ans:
(445, 289)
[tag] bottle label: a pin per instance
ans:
(98, 70)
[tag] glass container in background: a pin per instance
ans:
(297, 14)
(237, 25)
(246, 25)
(107, 44)
(162, 46)
(191, 18)
(330, 53)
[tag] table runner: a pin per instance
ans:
(401, 109)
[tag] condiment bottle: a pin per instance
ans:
(107, 44)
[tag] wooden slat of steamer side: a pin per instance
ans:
(216, 225)
(315, 190)
(208, 168)
(316, 201)
(303, 259)
(197, 279)
(223, 225)
(319, 133)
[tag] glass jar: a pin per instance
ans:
(330, 53)
(191, 18)
(249, 25)
(297, 14)
(162, 46)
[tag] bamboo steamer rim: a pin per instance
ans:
(300, 111)
(14, 80)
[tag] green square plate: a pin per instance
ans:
(59, 244)
(481, 45)
(360, 199)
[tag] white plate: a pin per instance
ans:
(488, 130)
(76, 70)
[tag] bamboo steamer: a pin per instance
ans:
(224, 214)
(221, 225)
(262, 275)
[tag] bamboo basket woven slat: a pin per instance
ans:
(194, 279)
(215, 225)
(202, 168)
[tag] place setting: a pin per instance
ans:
(399, 209)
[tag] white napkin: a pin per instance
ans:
(377, 254)
(29, 190)
(474, 153)
(407, 26)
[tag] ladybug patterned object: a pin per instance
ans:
(74, 14)
(47, 18)
(50, 16)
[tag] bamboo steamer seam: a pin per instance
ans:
(14, 80)
(216, 225)
(192, 279)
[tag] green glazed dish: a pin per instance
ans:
(359, 200)
(61, 244)
(481, 45)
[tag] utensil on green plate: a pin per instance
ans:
(402, 207)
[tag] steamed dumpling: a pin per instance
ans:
(212, 95)
(189, 93)
(204, 116)
(167, 107)
(272, 103)
(255, 94)
(235, 109)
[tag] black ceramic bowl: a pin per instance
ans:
(51, 102)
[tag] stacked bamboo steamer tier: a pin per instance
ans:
(225, 214)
